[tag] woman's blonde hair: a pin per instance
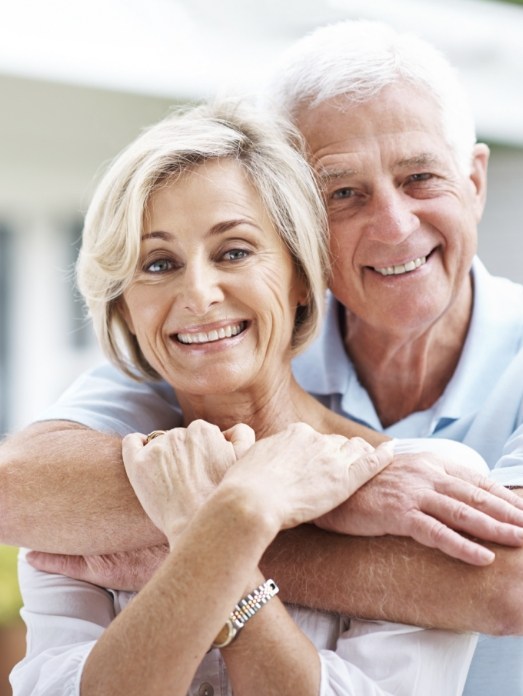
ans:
(267, 149)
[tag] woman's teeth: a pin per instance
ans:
(210, 336)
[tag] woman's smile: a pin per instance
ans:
(215, 283)
(212, 335)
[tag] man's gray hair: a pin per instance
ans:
(354, 60)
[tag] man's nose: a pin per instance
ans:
(391, 216)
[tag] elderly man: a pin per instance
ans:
(417, 337)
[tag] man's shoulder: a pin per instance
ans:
(104, 398)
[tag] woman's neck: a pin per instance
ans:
(270, 410)
(267, 409)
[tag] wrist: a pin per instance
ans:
(248, 508)
(242, 612)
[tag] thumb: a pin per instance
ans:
(72, 566)
(368, 465)
(132, 444)
(242, 437)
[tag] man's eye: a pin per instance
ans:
(159, 266)
(424, 176)
(342, 193)
(235, 254)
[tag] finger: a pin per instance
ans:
(368, 465)
(434, 534)
(363, 444)
(461, 516)
(486, 495)
(72, 566)
(242, 438)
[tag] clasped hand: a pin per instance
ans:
(296, 474)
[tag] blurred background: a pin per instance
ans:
(79, 80)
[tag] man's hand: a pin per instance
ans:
(129, 570)
(434, 501)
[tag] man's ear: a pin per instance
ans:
(123, 310)
(478, 176)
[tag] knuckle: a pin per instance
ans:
(360, 442)
(461, 513)
(479, 497)
(437, 532)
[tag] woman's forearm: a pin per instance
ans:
(165, 632)
(273, 656)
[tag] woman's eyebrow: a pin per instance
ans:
(226, 225)
(157, 234)
(219, 228)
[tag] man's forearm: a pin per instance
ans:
(399, 580)
(55, 495)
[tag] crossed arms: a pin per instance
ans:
(84, 504)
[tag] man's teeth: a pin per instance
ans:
(214, 335)
(403, 268)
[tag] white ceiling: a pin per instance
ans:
(195, 48)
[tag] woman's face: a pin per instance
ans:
(213, 300)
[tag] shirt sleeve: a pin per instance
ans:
(457, 451)
(64, 619)
(107, 400)
(509, 469)
(380, 658)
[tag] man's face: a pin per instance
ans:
(402, 216)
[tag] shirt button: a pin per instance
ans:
(205, 690)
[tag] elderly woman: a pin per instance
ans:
(204, 262)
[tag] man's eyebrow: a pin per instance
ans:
(334, 174)
(423, 159)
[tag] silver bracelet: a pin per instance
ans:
(243, 611)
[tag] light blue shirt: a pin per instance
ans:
(481, 406)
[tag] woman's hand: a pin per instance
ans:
(300, 474)
(174, 473)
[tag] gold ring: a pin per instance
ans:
(151, 436)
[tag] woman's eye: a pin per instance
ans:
(159, 266)
(235, 254)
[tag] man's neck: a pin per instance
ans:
(406, 373)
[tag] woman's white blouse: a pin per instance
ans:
(65, 617)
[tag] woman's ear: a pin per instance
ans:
(122, 308)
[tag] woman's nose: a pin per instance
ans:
(201, 288)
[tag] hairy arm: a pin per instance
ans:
(397, 579)
(63, 489)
